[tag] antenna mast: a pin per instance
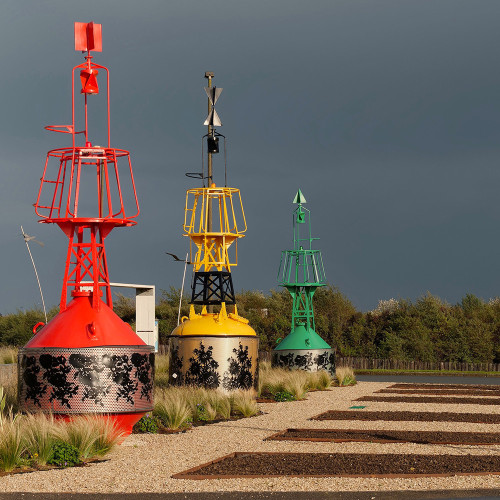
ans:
(26, 239)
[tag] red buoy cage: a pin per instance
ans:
(86, 359)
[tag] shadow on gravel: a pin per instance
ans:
(237, 495)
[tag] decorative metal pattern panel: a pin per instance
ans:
(311, 360)
(226, 363)
(87, 380)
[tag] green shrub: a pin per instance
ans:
(64, 455)
(16, 328)
(202, 413)
(283, 396)
(426, 329)
(148, 424)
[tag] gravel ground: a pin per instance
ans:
(145, 463)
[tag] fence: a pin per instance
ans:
(395, 364)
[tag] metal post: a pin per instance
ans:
(209, 75)
(101, 189)
(182, 290)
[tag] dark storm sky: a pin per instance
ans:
(384, 112)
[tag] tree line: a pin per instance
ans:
(427, 329)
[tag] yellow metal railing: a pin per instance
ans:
(211, 217)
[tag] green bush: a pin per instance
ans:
(284, 396)
(17, 328)
(427, 329)
(64, 455)
(148, 424)
(202, 414)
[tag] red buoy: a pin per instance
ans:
(86, 359)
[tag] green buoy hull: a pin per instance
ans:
(302, 338)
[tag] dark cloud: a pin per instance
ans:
(384, 112)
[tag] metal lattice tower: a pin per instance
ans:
(210, 244)
(301, 270)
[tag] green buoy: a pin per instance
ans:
(301, 272)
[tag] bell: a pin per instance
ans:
(89, 81)
(213, 144)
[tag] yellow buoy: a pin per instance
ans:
(214, 349)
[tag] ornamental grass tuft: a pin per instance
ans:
(178, 407)
(345, 376)
(243, 403)
(108, 434)
(92, 435)
(41, 433)
(220, 403)
(78, 432)
(272, 380)
(172, 408)
(162, 364)
(39, 440)
(12, 442)
(8, 355)
(320, 380)
(296, 383)
(8, 386)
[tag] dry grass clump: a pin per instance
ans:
(8, 355)
(162, 364)
(277, 382)
(320, 380)
(40, 433)
(92, 435)
(31, 440)
(12, 443)
(179, 407)
(272, 380)
(297, 384)
(243, 403)
(220, 403)
(345, 375)
(8, 386)
(171, 408)
(107, 433)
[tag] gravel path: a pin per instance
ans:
(145, 463)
